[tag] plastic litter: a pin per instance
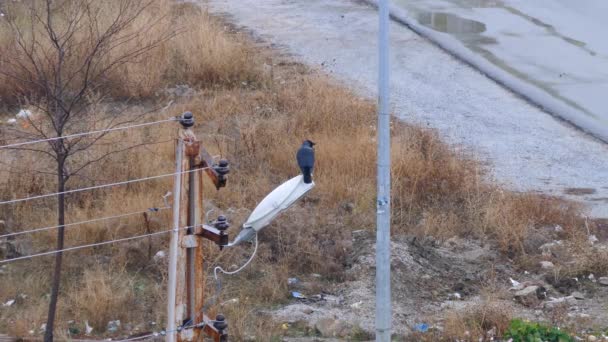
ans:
(298, 295)
(421, 327)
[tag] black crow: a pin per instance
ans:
(306, 160)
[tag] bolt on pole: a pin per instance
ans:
(383, 208)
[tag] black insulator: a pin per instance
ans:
(221, 223)
(187, 119)
(222, 168)
(220, 323)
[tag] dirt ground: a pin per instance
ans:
(432, 278)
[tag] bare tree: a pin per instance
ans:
(61, 54)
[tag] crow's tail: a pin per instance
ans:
(307, 173)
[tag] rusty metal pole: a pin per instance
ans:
(188, 277)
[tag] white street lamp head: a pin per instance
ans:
(271, 206)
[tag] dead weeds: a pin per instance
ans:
(255, 110)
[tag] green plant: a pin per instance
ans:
(524, 331)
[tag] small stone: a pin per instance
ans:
(591, 338)
(529, 296)
(555, 302)
(547, 265)
(603, 281)
(578, 295)
(332, 328)
(308, 311)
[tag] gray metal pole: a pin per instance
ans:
(190, 251)
(173, 247)
(383, 209)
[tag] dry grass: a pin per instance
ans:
(185, 51)
(255, 111)
(479, 322)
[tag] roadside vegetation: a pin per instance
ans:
(254, 108)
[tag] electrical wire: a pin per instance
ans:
(34, 230)
(87, 133)
(219, 268)
(100, 186)
(94, 244)
(218, 287)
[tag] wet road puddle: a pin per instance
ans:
(579, 191)
(450, 23)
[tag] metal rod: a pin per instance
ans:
(173, 248)
(190, 251)
(383, 209)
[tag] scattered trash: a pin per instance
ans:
(87, 328)
(356, 305)
(330, 299)
(42, 328)
(316, 275)
(455, 295)
(159, 256)
(230, 301)
(298, 295)
(421, 327)
(592, 239)
(292, 281)
(592, 277)
(11, 121)
(113, 326)
(9, 303)
(515, 285)
(24, 114)
(285, 326)
(558, 228)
